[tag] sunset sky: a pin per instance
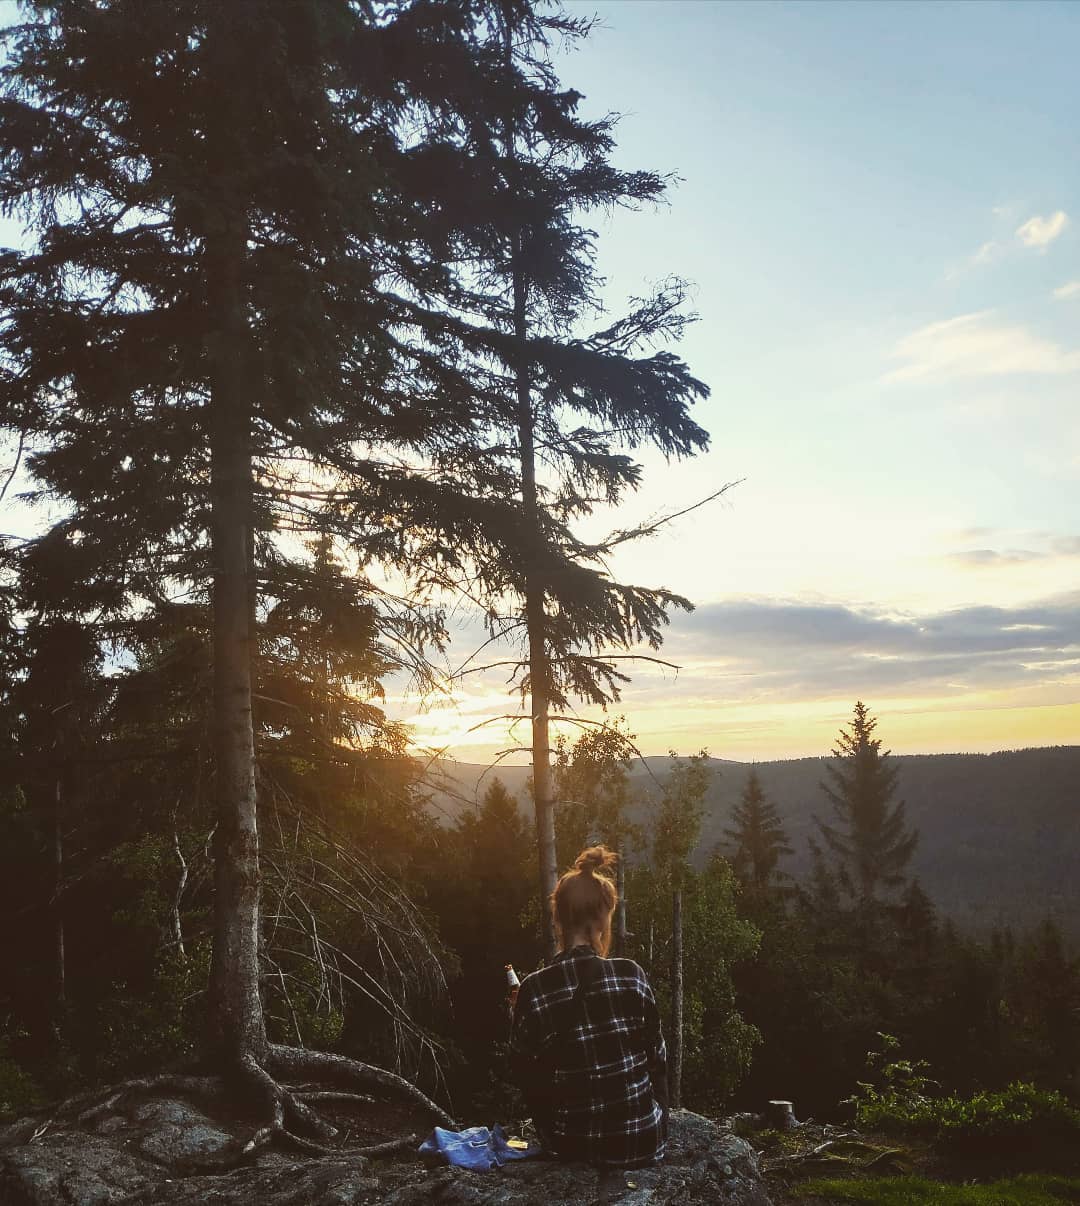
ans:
(880, 209)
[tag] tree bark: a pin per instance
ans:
(237, 1027)
(543, 800)
(178, 895)
(59, 956)
(535, 618)
(676, 998)
(618, 945)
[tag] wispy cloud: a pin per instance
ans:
(999, 549)
(981, 558)
(1040, 232)
(977, 345)
(806, 649)
(1072, 289)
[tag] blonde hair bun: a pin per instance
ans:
(596, 858)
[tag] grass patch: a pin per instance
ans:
(1030, 1190)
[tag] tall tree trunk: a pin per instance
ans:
(237, 1027)
(676, 998)
(178, 895)
(535, 619)
(619, 938)
(59, 957)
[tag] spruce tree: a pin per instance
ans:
(234, 318)
(869, 835)
(756, 840)
(256, 228)
(568, 404)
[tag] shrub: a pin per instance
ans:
(19, 1092)
(902, 1103)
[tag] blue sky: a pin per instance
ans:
(879, 207)
(878, 202)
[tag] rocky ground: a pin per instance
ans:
(165, 1150)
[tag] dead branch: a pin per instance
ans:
(621, 536)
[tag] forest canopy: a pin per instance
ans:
(303, 348)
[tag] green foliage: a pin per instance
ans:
(903, 1083)
(139, 1028)
(1018, 1111)
(1029, 1190)
(19, 1091)
(481, 884)
(719, 1041)
(677, 826)
(592, 786)
(902, 1102)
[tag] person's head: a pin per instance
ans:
(584, 900)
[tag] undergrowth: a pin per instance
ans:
(1036, 1189)
(902, 1099)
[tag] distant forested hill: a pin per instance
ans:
(1000, 833)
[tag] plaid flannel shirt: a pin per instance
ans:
(593, 1064)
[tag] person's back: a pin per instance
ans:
(586, 1042)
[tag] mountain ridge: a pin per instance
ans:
(999, 832)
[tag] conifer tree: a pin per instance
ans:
(236, 290)
(918, 920)
(567, 404)
(56, 694)
(756, 839)
(256, 227)
(869, 835)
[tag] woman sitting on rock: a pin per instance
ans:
(586, 1045)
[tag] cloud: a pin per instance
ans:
(985, 557)
(1048, 546)
(1037, 546)
(1072, 289)
(975, 345)
(986, 252)
(1040, 232)
(744, 662)
(806, 650)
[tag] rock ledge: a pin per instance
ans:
(142, 1155)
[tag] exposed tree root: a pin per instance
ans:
(298, 1063)
(337, 1098)
(283, 1105)
(388, 1148)
(286, 1138)
(292, 1122)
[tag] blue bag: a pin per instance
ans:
(476, 1147)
